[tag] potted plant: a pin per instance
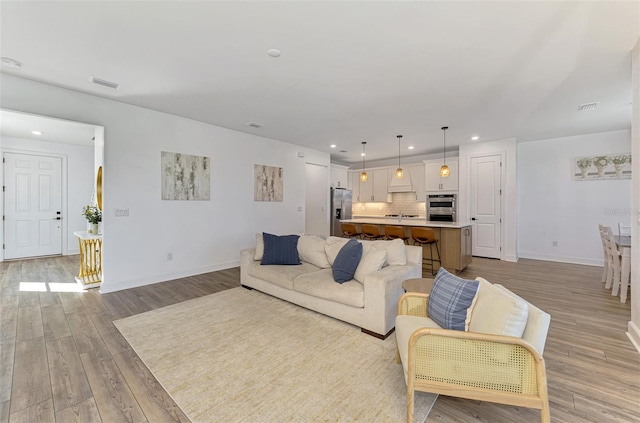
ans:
(618, 163)
(584, 164)
(600, 163)
(93, 216)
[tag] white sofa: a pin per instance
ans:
(370, 303)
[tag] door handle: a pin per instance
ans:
(473, 218)
(57, 218)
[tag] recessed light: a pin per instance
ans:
(333, 146)
(273, 52)
(363, 154)
(10, 63)
(36, 132)
(411, 147)
(475, 138)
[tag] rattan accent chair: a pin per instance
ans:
(476, 366)
(371, 232)
(349, 230)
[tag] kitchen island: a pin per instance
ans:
(454, 239)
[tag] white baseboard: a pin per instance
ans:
(634, 335)
(561, 259)
(107, 286)
(73, 252)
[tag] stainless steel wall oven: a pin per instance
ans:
(441, 207)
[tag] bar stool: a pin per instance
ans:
(349, 230)
(370, 232)
(395, 232)
(425, 236)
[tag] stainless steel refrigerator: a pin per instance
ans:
(340, 208)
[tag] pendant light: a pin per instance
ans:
(399, 171)
(363, 176)
(444, 170)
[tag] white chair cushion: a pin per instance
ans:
(498, 313)
(311, 250)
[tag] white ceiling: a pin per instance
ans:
(349, 71)
(21, 125)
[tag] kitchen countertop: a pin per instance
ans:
(406, 221)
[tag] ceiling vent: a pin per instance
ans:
(11, 63)
(254, 124)
(104, 83)
(588, 106)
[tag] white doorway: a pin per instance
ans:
(316, 197)
(32, 205)
(486, 205)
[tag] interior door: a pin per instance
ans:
(316, 218)
(32, 205)
(486, 205)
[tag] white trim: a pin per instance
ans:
(634, 335)
(64, 182)
(118, 286)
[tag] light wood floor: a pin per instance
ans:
(61, 358)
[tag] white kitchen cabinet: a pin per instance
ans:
(339, 176)
(418, 178)
(354, 185)
(373, 190)
(380, 185)
(434, 182)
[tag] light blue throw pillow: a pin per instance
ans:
(347, 260)
(449, 300)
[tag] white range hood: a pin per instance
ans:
(401, 185)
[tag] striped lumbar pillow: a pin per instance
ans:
(449, 300)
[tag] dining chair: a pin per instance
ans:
(624, 230)
(605, 270)
(613, 258)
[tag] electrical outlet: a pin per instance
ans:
(554, 243)
(169, 256)
(299, 208)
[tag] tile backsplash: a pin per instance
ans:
(402, 202)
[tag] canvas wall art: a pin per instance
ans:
(613, 166)
(185, 177)
(268, 184)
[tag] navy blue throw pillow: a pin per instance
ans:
(346, 262)
(280, 249)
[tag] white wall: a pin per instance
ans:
(634, 324)
(202, 235)
(506, 148)
(79, 178)
(554, 207)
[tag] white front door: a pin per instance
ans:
(32, 205)
(486, 214)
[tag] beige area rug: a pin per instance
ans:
(243, 356)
